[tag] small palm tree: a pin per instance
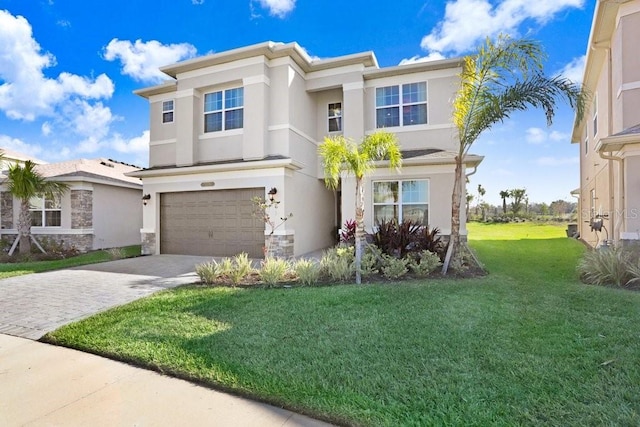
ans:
(503, 77)
(24, 183)
(504, 194)
(340, 155)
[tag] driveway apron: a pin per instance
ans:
(34, 304)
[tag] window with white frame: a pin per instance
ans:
(335, 117)
(392, 109)
(224, 110)
(45, 212)
(401, 200)
(595, 115)
(167, 111)
(586, 140)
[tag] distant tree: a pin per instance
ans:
(481, 193)
(559, 207)
(469, 200)
(341, 155)
(517, 195)
(504, 195)
(544, 209)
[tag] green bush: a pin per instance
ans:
(424, 263)
(338, 263)
(274, 270)
(371, 261)
(208, 272)
(308, 272)
(613, 266)
(116, 253)
(241, 268)
(394, 268)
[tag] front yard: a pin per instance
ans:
(528, 344)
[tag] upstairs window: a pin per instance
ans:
(45, 212)
(401, 200)
(586, 141)
(167, 111)
(406, 110)
(335, 117)
(595, 115)
(224, 110)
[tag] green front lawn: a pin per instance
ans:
(20, 268)
(526, 345)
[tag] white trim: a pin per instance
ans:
(162, 141)
(629, 235)
(187, 93)
(628, 86)
(292, 129)
(220, 134)
(58, 230)
(287, 61)
(412, 128)
(281, 232)
(260, 78)
(213, 69)
(81, 188)
(336, 71)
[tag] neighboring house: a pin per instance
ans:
(609, 134)
(13, 157)
(233, 125)
(102, 209)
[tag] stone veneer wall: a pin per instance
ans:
(81, 209)
(82, 242)
(280, 246)
(148, 243)
(6, 210)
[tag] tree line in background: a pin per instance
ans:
(516, 205)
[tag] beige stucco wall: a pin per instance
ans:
(117, 216)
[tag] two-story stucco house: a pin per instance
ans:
(236, 124)
(609, 134)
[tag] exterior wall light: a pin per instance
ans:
(145, 199)
(272, 193)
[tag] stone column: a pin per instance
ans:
(6, 210)
(81, 209)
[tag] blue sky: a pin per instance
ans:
(68, 68)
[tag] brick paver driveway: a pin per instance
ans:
(35, 304)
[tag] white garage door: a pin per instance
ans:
(211, 223)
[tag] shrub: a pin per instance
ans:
(274, 270)
(208, 272)
(338, 263)
(225, 266)
(348, 233)
(116, 253)
(394, 268)
(614, 266)
(371, 261)
(241, 267)
(425, 263)
(308, 272)
(400, 240)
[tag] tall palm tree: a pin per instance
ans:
(340, 155)
(24, 183)
(504, 194)
(503, 77)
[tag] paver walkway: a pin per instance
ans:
(35, 304)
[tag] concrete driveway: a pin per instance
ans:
(34, 304)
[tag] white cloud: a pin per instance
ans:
(139, 144)
(279, 8)
(574, 70)
(20, 146)
(433, 56)
(468, 22)
(197, 1)
(142, 60)
(46, 129)
(540, 136)
(557, 161)
(26, 93)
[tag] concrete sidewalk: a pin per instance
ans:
(44, 385)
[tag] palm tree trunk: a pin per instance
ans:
(24, 227)
(456, 201)
(359, 227)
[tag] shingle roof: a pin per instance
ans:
(633, 130)
(100, 168)
(16, 155)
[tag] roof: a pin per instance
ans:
(273, 50)
(100, 169)
(615, 142)
(16, 155)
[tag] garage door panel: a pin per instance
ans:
(211, 223)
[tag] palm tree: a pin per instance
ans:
(340, 154)
(24, 183)
(503, 77)
(504, 194)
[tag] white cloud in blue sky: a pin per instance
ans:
(467, 22)
(278, 8)
(141, 60)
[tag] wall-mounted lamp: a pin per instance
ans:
(145, 199)
(272, 193)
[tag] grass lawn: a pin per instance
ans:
(526, 345)
(21, 268)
